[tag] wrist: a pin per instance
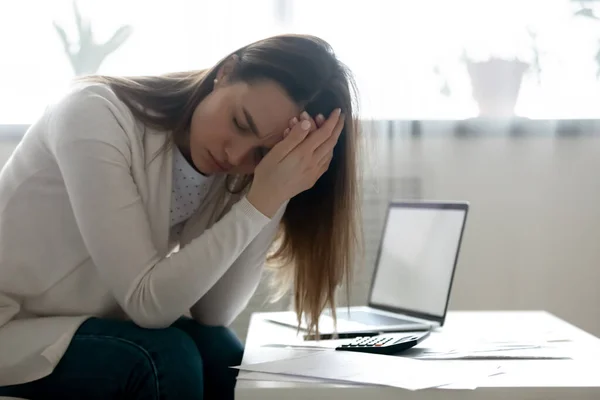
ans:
(265, 203)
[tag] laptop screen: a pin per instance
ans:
(417, 257)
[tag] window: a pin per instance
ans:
(411, 59)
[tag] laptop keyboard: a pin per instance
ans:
(368, 318)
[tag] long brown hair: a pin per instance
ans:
(320, 232)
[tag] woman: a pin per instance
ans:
(137, 214)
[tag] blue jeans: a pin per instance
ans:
(111, 359)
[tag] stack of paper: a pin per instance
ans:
(435, 349)
(491, 351)
(372, 369)
(524, 353)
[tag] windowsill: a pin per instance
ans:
(517, 127)
(475, 127)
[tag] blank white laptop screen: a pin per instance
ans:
(417, 258)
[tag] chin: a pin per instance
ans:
(198, 164)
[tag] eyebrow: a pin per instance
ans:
(253, 127)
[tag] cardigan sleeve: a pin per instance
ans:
(88, 138)
(230, 295)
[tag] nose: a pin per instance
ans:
(238, 151)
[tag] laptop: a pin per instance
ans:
(413, 275)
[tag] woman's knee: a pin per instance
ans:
(175, 353)
(173, 361)
(229, 344)
(217, 344)
(220, 349)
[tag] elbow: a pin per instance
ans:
(224, 321)
(143, 308)
(146, 321)
(150, 323)
(148, 315)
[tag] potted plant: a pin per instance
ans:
(496, 83)
(496, 79)
(85, 54)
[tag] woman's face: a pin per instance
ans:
(236, 124)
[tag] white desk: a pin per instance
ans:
(525, 379)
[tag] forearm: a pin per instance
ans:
(231, 294)
(175, 283)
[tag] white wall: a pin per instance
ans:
(533, 231)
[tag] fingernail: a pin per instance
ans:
(294, 121)
(337, 112)
(304, 115)
(305, 125)
(320, 117)
(286, 132)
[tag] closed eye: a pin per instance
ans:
(240, 127)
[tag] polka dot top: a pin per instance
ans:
(189, 189)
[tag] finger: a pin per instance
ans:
(306, 117)
(295, 136)
(323, 133)
(293, 122)
(328, 145)
(303, 116)
(320, 119)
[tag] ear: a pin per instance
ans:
(227, 68)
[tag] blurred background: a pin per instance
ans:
(491, 101)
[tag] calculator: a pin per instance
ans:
(390, 343)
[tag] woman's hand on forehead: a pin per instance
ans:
(315, 123)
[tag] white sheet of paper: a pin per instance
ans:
(262, 376)
(494, 354)
(373, 369)
(268, 354)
